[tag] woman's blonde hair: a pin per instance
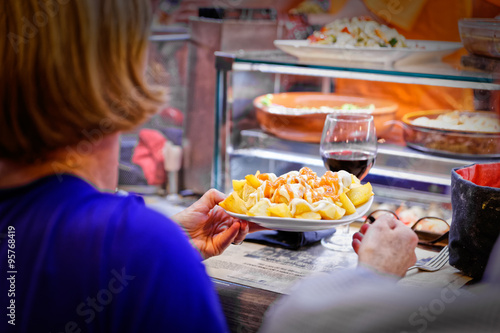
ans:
(70, 68)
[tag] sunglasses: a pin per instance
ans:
(430, 230)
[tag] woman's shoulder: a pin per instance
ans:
(104, 217)
(126, 215)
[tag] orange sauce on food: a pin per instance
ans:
(330, 192)
(263, 176)
(315, 196)
(330, 179)
(329, 184)
(280, 181)
(268, 189)
(289, 191)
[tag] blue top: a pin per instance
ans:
(88, 261)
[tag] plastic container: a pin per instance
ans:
(481, 36)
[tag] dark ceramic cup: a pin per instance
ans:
(475, 198)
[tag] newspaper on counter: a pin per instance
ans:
(277, 269)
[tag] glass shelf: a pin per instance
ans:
(434, 73)
(395, 166)
(238, 152)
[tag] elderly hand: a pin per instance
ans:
(210, 228)
(387, 246)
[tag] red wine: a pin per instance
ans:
(356, 162)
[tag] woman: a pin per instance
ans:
(82, 259)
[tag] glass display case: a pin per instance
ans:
(400, 173)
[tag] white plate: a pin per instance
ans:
(293, 224)
(417, 49)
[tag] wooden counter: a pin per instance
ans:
(251, 277)
(243, 306)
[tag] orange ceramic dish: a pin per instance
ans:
(297, 116)
(448, 142)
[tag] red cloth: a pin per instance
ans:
(149, 156)
(173, 115)
(482, 174)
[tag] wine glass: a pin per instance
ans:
(349, 143)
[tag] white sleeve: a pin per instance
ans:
(360, 300)
(314, 303)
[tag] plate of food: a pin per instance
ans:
(453, 133)
(300, 116)
(299, 200)
(302, 225)
(363, 40)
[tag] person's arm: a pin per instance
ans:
(210, 228)
(369, 300)
(160, 283)
(334, 302)
(387, 246)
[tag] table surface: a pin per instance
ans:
(250, 277)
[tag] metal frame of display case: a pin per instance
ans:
(399, 171)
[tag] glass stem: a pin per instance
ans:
(344, 230)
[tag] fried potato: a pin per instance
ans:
(282, 199)
(234, 203)
(309, 216)
(279, 210)
(253, 181)
(260, 208)
(238, 186)
(347, 204)
(360, 195)
(247, 190)
(332, 212)
(301, 208)
(251, 201)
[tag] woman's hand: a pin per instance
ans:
(387, 246)
(210, 228)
